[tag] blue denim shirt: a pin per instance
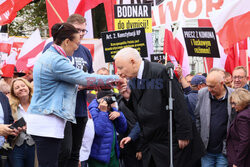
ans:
(55, 89)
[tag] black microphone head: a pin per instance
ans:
(169, 65)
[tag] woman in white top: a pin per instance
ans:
(23, 153)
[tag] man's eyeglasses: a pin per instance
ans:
(238, 77)
(84, 31)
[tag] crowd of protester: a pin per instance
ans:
(70, 123)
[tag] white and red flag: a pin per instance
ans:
(181, 52)
(231, 22)
(59, 10)
(5, 45)
(31, 51)
(9, 9)
(231, 57)
(169, 44)
(9, 65)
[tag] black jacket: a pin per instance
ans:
(148, 99)
(8, 119)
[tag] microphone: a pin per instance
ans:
(170, 70)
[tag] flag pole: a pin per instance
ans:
(166, 58)
(53, 8)
(205, 64)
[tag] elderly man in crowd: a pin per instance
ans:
(213, 114)
(148, 99)
(240, 78)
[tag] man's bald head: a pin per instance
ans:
(215, 84)
(128, 53)
(216, 76)
(128, 61)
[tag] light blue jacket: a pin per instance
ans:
(55, 87)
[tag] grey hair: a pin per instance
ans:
(128, 53)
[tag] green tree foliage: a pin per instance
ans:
(31, 17)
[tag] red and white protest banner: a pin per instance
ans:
(30, 52)
(184, 9)
(5, 45)
(9, 9)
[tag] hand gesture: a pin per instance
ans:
(179, 70)
(103, 105)
(138, 155)
(113, 115)
(124, 141)
(183, 143)
(5, 130)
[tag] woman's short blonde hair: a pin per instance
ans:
(240, 97)
(14, 100)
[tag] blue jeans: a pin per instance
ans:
(23, 156)
(214, 160)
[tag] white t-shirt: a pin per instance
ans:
(87, 140)
(45, 125)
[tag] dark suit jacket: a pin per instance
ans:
(149, 98)
(238, 140)
(8, 119)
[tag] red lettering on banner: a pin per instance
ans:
(207, 5)
(174, 12)
(153, 18)
(162, 14)
(90, 81)
(210, 5)
(16, 47)
(196, 13)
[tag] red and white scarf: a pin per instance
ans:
(59, 49)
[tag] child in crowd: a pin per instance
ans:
(107, 122)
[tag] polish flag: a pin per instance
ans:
(231, 22)
(9, 9)
(231, 57)
(9, 65)
(86, 5)
(31, 51)
(5, 45)
(169, 45)
(59, 10)
(237, 56)
(181, 52)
